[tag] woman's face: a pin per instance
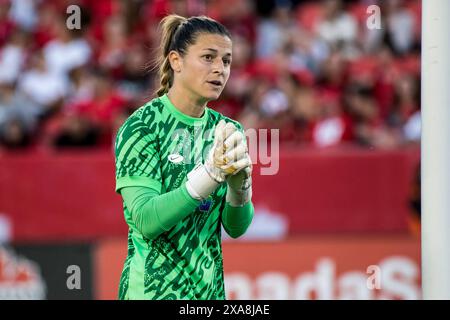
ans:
(204, 69)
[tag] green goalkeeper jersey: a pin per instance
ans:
(156, 147)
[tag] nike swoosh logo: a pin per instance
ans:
(175, 158)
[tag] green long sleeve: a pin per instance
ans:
(154, 213)
(236, 220)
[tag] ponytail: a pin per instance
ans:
(169, 26)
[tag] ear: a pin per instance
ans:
(175, 61)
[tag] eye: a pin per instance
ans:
(226, 62)
(208, 57)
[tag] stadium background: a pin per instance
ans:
(346, 101)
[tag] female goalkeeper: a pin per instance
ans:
(183, 170)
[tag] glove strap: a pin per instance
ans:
(199, 182)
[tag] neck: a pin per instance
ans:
(188, 103)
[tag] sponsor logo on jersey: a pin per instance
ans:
(175, 158)
(205, 205)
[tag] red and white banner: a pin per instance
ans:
(319, 267)
(70, 196)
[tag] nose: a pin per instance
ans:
(218, 67)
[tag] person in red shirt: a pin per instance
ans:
(92, 120)
(7, 26)
(101, 109)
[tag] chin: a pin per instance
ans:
(212, 96)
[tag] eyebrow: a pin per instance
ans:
(216, 51)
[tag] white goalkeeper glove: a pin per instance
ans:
(226, 156)
(239, 190)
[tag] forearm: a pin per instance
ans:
(154, 213)
(236, 220)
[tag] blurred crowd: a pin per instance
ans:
(313, 69)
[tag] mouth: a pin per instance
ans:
(216, 83)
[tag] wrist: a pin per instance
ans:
(200, 184)
(240, 197)
(215, 173)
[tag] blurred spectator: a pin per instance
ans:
(103, 104)
(309, 51)
(14, 134)
(387, 75)
(82, 86)
(44, 88)
(12, 57)
(17, 118)
(24, 13)
(76, 131)
(412, 129)
(272, 32)
(338, 28)
(332, 126)
(243, 69)
(15, 105)
(405, 112)
(311, 69)
(91, 120)
(303, 111)
(113, 49)
(273, 102)
(238, 16)
(7, 25)
(252, 116)
(43, 31)
(360, 105)
(134, 83)
(331, 80)
(67, 51)
(405, 101)
(397, 29)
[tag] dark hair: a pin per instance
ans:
(178, 33)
